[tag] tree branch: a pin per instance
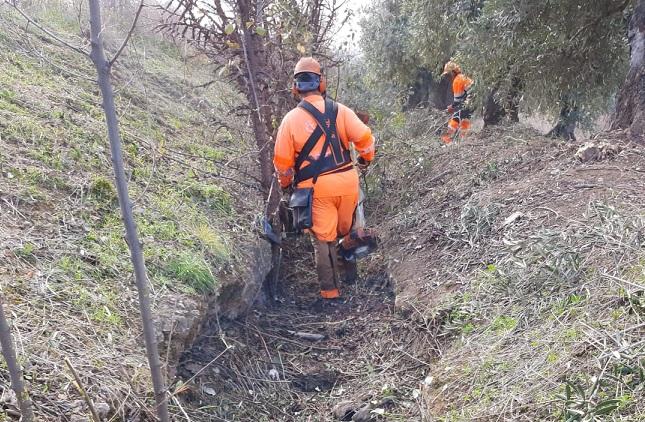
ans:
(130, 32)
(15, 372)
(81, 389)
(45, 30)
(596, 21)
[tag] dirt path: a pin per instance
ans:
(269, 367)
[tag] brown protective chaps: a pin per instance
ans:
(327, 268)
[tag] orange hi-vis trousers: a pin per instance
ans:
(333, 216)
(462, 124)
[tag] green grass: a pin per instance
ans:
(210, 195)
(568, 305)
(102, 190)
(55, 18)
(503, 323)
(9, 103)
(53, 142)
(208, 152)
(193, 271)
(35, 177)
(72, 267)
(490, 172)
(26, 252)
(104, 315)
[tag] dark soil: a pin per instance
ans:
(271, 366)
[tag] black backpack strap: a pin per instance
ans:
(336, 145)
(326, 126)
(340, 157)
(314, 137)
(318, 165)
(320, 117)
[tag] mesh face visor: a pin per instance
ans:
(307, 81)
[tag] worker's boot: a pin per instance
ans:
(327, 269)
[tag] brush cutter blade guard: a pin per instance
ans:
(358, 244)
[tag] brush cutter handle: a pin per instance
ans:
(362, 164)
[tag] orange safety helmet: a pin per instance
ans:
(451, 67)
(309, 65)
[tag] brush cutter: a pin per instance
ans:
(361, 241)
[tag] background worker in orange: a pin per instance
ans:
(335, 194)
(460, 113)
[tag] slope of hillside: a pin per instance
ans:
(65, 271)
(529, 266)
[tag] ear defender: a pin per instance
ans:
(323, 84)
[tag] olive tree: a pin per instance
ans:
(567, 55)
(630, 107)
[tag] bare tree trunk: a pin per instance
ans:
(567, 121)
(255, 97)
(420, 90)
(442, 92)
(493, 110)
(15, 373)
(630, 106)
(103, 69)
(255, 62)
(513, 100)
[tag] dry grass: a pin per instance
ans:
(64, 265)
(532, 305)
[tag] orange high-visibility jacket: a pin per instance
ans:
(295, 129)
(460, 86)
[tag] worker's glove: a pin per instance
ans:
(362, 163)
(450, 109)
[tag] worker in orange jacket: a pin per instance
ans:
(460, 118)
(300, 142)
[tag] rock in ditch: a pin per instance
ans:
(178, 326)
(345, 410)
(364, 415)
(103, 409)
(596, 151)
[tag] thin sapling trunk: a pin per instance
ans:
(103, 67)
(15, 373)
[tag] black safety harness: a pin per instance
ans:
(336, 162)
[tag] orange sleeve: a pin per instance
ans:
(458, 85)
(467, 83)
(358, 133)
(284, 153)
(461, 84)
